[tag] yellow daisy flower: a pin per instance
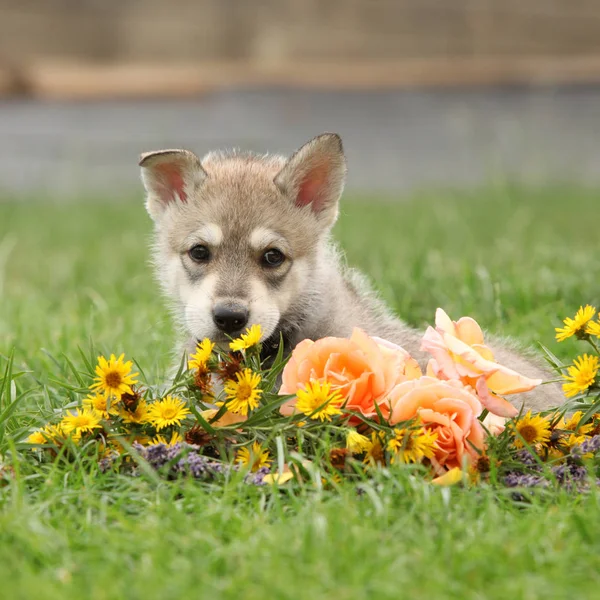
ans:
(114, 377)
(575, 440)
(533, 429)
(318, 402)
(166, 412)
(176, 438)
(357, 443)
(139, 416)
(243, 394)
(80, 421)
(99, 403)
(255, 457)
(374, 453)
(37, 437)
(581, 375)
(53, 433)
(572, 424)
(247, 340)
(412, 445)
(576, 326)
(593, 328)
(203, 353)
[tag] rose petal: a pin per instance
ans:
(494, 404)
(468, 330)
(444, 323)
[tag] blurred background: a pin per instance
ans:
(425, 93)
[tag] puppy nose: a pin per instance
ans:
(230, 318)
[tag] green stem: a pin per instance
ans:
(593, 345)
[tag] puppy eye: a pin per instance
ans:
(199, 253)
(272, 258)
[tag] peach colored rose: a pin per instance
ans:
(363, 369)
(447, 408)
(459, 353)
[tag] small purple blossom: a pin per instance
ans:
(186, 460)
(589, 446)
(528, 459)
(570, 475)
(515, 479)
(258, 477)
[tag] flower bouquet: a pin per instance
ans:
(339, 409)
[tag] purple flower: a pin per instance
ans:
(258, 477)
(186, 460)
(589, 446)
(515, 479)
(528, 459)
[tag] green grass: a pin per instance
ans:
(516, 260)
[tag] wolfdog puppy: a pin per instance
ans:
(243, 239)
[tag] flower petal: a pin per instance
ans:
(452, 477)
(494, 404)
(468, 330)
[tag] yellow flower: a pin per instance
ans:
(176, 438)
(37, 437)
(114, 377)
(243, 394)
(166, 412)
(581, 375)
(318, 402)
(356, 442)
(576, 326)
(451, 477)
(374, 454)
(255, 458)
(80, 421)
(248, 339)
(203, 353)
(412, 445)
(533, 429)
(53, 433)
(140, 415)
(99, 403)
(593, 328)
(572, 424)
(575, 440)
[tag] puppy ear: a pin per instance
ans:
(315, 175)
(170, 176)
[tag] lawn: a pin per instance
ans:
(517, 260)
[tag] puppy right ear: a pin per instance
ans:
(170, 176)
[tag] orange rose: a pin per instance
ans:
(448, 409)
(459, 353)
(362, 369)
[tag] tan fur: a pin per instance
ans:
(243, 199)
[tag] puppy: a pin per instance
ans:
(244, 239)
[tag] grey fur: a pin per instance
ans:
(313, 294)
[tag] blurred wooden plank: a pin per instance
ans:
(79, 81)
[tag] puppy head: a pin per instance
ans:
(238, 236)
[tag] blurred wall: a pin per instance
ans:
(283, 30)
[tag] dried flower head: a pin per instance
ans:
(338, 457)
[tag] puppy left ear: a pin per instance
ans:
(315, 176)
(170, 176)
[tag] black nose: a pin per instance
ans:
(230, 318)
